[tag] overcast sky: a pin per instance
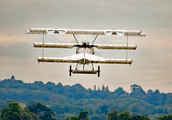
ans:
(152, 66)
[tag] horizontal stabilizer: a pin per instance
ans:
(84, 71)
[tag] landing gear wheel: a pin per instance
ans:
(70, 70)
(98, 71)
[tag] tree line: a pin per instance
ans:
(74, 99)
(39, 111)
(32, 112)
(51, 92)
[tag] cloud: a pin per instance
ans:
(6, 40)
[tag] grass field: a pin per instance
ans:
(23, 105)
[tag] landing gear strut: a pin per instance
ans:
(70, 70)
(98, 71)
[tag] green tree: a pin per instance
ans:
(31, 102)
(4, 113)
(104, 109)
(68, 108)
(74, 118)
(58, 108)
(137, 117)
(14, 112)
(124, 116)
(137, 92)
(113, 115)
(135, 108)
(83, 115)
(14, 107)
(119, 92)
(169, 109)
(42, 111)
(153, 97)
(27, 115)
(165, 117)
(13, 115)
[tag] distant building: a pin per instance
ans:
(12, 78)
(103, 88)
(94, 87)
(98, 87)
(107, 89)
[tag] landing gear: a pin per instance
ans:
(76, 71)
(98, 71)
(70, 70)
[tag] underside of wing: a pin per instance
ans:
(71, 45)
(79, 58)
(69, 59)
(113, 61)
(57, 59)
(53, 31)
(96, 59)
(54, 45)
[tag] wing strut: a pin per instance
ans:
(94, 39)
(92, 66)
(43, 48)
(75, 38)
(84, 59)
(127, 47)
(76, 66)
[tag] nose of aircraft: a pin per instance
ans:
(84, 45)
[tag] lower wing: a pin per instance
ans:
(113, 61)
(80, 59)
(96, 59)
(57, 59)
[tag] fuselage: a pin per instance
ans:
(85, 48)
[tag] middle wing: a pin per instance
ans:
(115, 46)
(54, 45)
(71, 45)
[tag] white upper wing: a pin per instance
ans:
(53, 31)
(79, 58)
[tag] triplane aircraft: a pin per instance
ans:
(84, 51)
